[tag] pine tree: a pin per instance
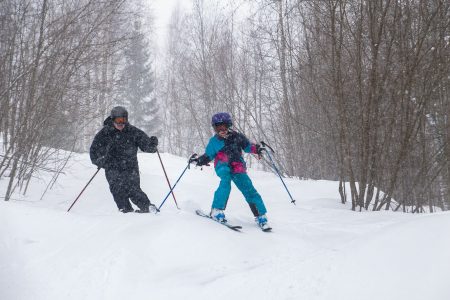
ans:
(139, 81)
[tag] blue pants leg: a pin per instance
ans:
(223, 191)
(254, 200)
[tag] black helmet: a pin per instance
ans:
(119, 111)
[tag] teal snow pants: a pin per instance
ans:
(244, 184)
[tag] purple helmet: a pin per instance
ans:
(223, 118)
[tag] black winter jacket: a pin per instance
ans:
(115, 149)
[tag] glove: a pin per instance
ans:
(154, 140)
(193, 159)
(100, 162)
(203, 160)
(260, 149)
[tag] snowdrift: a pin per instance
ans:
(319, 249)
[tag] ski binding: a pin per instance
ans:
(232, 227)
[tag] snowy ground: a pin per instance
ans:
(318, 249)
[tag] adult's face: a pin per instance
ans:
(119, 123)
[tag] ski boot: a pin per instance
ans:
(151, 208)
(143, 210)
(262, 223)
(218, 215)
(126, 210)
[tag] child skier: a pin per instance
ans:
(225, 148)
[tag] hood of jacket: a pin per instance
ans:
(108, 121)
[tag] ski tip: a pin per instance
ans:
(199, 212)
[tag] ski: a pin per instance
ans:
(232, 227)
(265, 228)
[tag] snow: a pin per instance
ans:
(319, 249)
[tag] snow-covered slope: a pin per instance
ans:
(319, 249)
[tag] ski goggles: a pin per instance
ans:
(221, 127)
(120, 120)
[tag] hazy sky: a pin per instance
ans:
(162, 10)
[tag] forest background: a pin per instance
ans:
(345, 90)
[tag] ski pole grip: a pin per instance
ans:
(190, 159)
(265, 145)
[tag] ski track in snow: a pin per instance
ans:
(319, 248)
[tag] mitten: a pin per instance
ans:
(154, 140)
(203, 160)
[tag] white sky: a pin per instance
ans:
(162, 9)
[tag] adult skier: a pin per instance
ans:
(114, 148)
(225, 148)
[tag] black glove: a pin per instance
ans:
(193, 159)
(154, 140)
(203, 160)
(260, 149)
(100, 162)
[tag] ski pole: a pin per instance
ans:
(187, 167)
(83, 189)
(276, 169)
(167, 178)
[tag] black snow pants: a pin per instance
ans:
(125, 185)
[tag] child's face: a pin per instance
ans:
(222, 130)
(223, 134)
